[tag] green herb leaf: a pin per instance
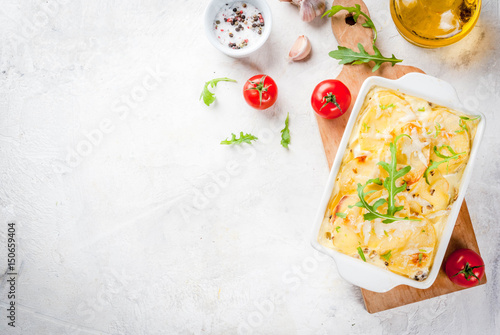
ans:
(465, 118)
(387, 255)
(337, 228)
(386, 106)
(365, 127)
(390, 185)
(423, 230)
(421, 109)
(434, 165)
(394, 174)
(372, 212)
(386, 234)
(285, 133)
(348, 56)
(462, 123)
(422, 250)
(361, 254)
(420, 258)
(356, 11)
(209, 97)
(341, 215)
(438, 129)
(244, 138)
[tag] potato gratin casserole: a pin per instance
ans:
(399, 176)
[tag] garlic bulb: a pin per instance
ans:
(309, 9)
(300, 49)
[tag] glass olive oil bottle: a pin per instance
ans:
(435, 23)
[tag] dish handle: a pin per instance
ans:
(354, 271)
(422, 84)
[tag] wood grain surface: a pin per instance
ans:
(349, 35)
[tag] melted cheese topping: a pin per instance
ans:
(404, 247)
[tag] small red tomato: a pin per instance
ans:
(330, 99)
(465, 267)
(260, 91)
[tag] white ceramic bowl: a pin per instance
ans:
(213, 8)
(354, 270)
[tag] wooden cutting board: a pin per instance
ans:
(349, 35)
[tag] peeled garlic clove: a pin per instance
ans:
(300, 49)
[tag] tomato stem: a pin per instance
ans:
(331, 98)
(468, 271)
(260, 87)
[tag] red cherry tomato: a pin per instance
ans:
(330, 99)
(465, 267)
(260, 91)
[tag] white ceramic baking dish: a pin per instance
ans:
(354, 270)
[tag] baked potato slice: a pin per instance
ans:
(447, 134)
(414, 258)
(357, 171)
(414, 151)
(383, 112)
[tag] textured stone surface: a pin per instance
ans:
(146, 232)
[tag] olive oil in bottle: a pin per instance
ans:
(434, 23)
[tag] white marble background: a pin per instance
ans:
(133, 235)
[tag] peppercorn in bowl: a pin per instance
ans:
(238, 28)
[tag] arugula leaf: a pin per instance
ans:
(390, 185)
(244, 138)
(341, 215)
(285, 133)
(383, 107)
(361, 254)
(348, 56)
(357, 12)
(372, 209)
(462, 123)
(387, 255)
(209, 97)
(434, 165)
(394, 174)
(438, 129)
